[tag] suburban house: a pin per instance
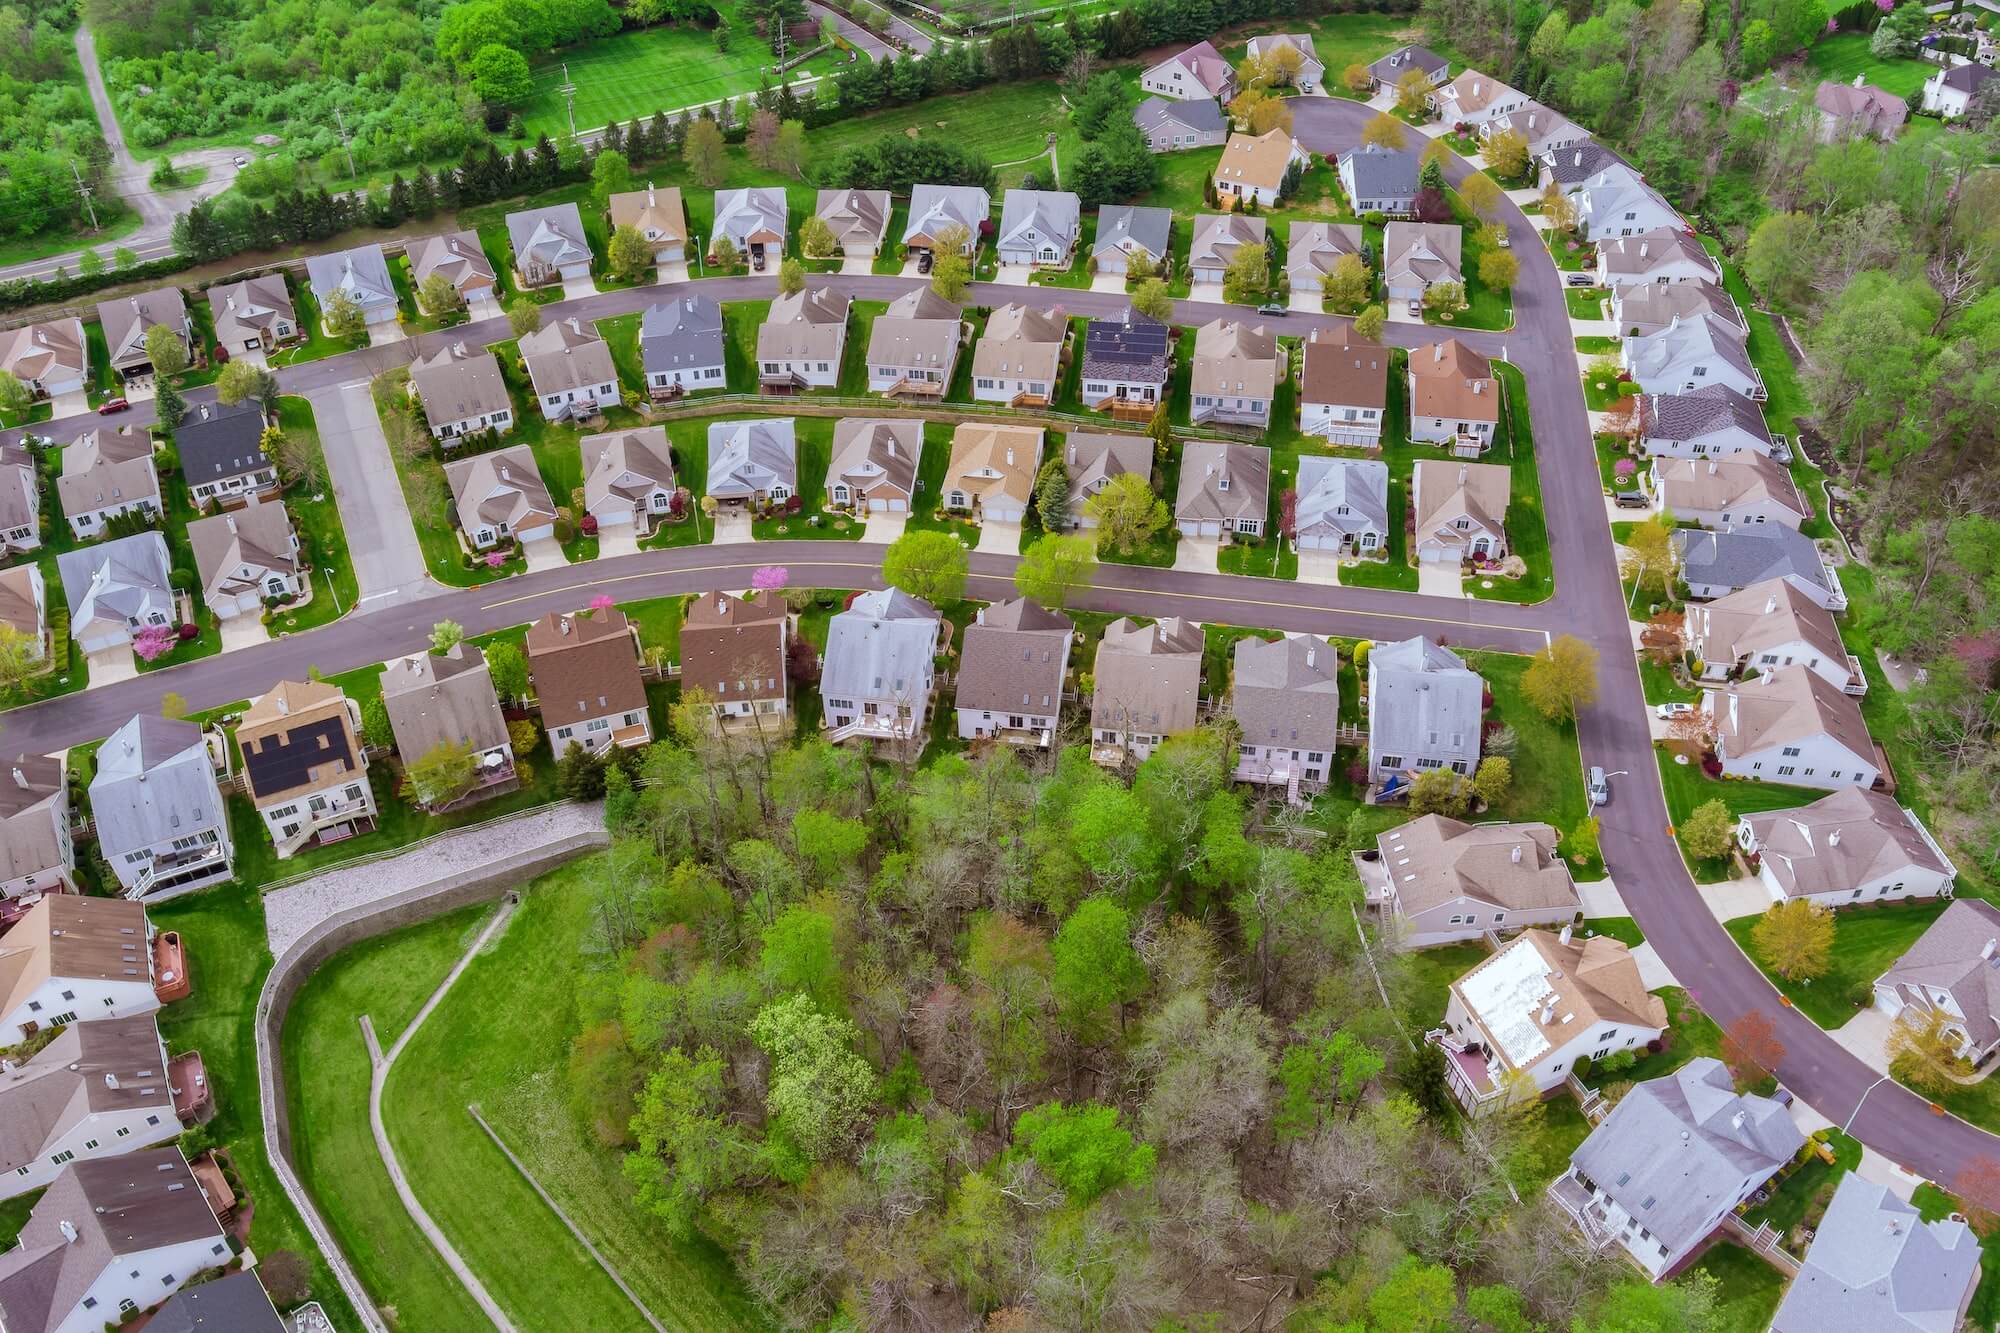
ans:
(1257, 166)
(447, 698)
(550, 245)
(1218, 239)
(1092, 460)
(1148, 687)
(802, 338)
(113, 1236)
(500, 495)
(1953, 970)
(1692, 354)
(1766, 626)
(1237, 370)
(1712, 422)
(1454, 398)
(20, 502)
(221, 447)
(161, 823)
(1010, 673)
(462, 393)
(680, 346)
(1225, 488)
(1543, 130)
(1647, 307)
(992, 470)
(105, 473)
(1379, 179)
(246, 559)
(74, 959)
(1518, 1022)
(628, 478)
(1741, 490)
(1460, 510)
(360, 275)
(237, 1302)
(873, 468)
(877, 673)
(127, 320)
(36, 855)
(1875, 1263)
(254, 315)
(1417, 256)
(858, 219)
(1196, 73)
(1713, 564)
(1440, 881)
(1170, 126)
(1389, 71)
(1343, 390)
(118, 589)
(1343, 505)
(585, 671)
(24, 606)
(460, 257)
(1675, 1155)
(1039, 227)
(570, 367)
(1847, 110)
(734, 648)
(96, 1090)
(1474, 98)
(1618, 202)
(913, 345)
(658, 217)
(52, 358)
(936, 209)
(1848, 847)
(1285, 696)
(1126, 362)
(1577, 164)
(1949, 92)
(1666, 256)
(1314, 248)
(1126, 234)
(1293, 55)
(1791, 725)
(1019, 357)
(304, 767)
(1424, 710)
(753, 462)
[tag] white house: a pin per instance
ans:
(360, 275)
(1039, 227)
(1425, 710)
(36, 853)
(106, 473)
(1343, 504)
(570, 367)
(802, 340)
(117, 590)
(1714, 422)
(1618, 202)
(1277, 51)
(1949, 92)
(304, 767)
(1256, 166)
(50, 359)
(680, 346)
(1791, 726)
(1691, 354)
(549, 245)
(1647, 307)
(97, 1090)
(1741, 490)
(1950, 972)
(877, 673)
(161, 823)
(628, 477)
(1473, 98)
(1442, 881)
(913, 346)
(1713, 564)
(20, 502)
(1200, 71)
(74, 958)
(1768, 625)
(1848, 847)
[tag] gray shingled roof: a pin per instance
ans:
(1578, 162)
(1419, 690)
(1052, 215)
(360, 274)
(1383, 173)
(108, 1067)
(1876, 1265)
(1953, 955)
(1739, 557)
(1403, 59)
(1712, 407)
(1202, 115)
(218, 440)
(1326, 485)
(683, 332)
(1146, 227)
(1013, 659)
(135, 573)
(745, 457)
(879, 647)
(232, 1304)
(178, 794)
(435, 698)
(1287, 692)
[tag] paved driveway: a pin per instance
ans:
(381, 539)
(1440, 578)
(544, 553)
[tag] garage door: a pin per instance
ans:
(897, 506)
(1208, 529)
(877, 506)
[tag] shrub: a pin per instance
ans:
(588, 523)
(189, 630)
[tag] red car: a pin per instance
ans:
(114, 405)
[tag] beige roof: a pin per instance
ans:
(1444, 489)
(567, 354)
(104, 467)
(439, 698)
(1432, 861)
(107, 1067)
(1219, 236)
(1581, 984)
(1148, 677)
(1761, 616)
(503, 486)
(1842, 841)
(1451, 380)
(919, 329)
(1021, 342)
(1427, 252)
(250, 308)
(32, 789)
(126, 320)
(457, 384)
(18, 605)
(989, 460)
(234, 551)
(49, 350)
(734, 647)
(72, 935)
(1790, 704)
(855, 217)
(456, 254)
(310, 714)
(654, 212)
(877, 455)
(1223, 481)
(1236, 359)
(1256, 159)
(1745, 478)
(626, 465)
(1345, 370)
(811, 322)
(1473, 91)
(20, 489)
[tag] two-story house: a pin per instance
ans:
(1224, 488)
(1769, 625)
(1741, 490)
(1664, 257)
(1617, 202)
(877, 674)
(1714, 564)
(74, 959)
(36, 854)
(1951, 975)
(1473, 98)
(1378, 179)
(462, 393)
(1424, 710)
(1440, 881)
(500, 495)
(1454, 398)
(221, 446)
(1285, 696)
(97, 1090)
(628, 478)
(359, 276)
(938, 209)
(1146, 687)
(1010, 673)
(873, 468)
(734, 650)
(1126, 362)
(106, 473)
(304, 767)
(680, 346)
(1196, 73)
(127, 320)
(585, 670)
(1019, 357)
(1171, 126)
(254, 316)
(116, 590)
(1343, 389)
(1691, 354)
(550, 245)
(1258, 166)
(1791, 726)
(448, 699)
(571, 370)
(1237, 370)
(802, 339)
(1092, 459)
(913, 346)
(246, 559)
(50, 358)
(162, 826)
(1711, 422)
(20, 502)
(992, 470)
(1343, 505)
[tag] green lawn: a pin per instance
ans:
(1004, 122)
(815, 451)
(1527, 534)
(1793, 1194)
(322, 539)
(1838, 57)
(1548, 768)
(1420, 981)
(1585, 302)
(1688, 788)
(318, 343)
(1486, 307)
(436, 533)
(1786, 400)
(1933, 1203)
(68, 670)
(1690, 1034)
(1751, 1288)
(1621, 928)
(1866, 941)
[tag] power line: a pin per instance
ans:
(83, 191)
(568, 90)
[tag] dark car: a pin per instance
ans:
(114, 405)
(1273, 308)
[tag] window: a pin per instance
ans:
(61, 1157)
(90, 1145)
(122, 1132)
(1786, 770)
(598, 724)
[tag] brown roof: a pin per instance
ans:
(442, 698)
(457, 384)
(250, 306)
(1789, 704)
(989, 459)
(17, 600)
(68, 935)
(651, 210)
(811, 322)
(1021, 342)
(456, 254)
(1219, 237)
(1256, 159)
(1451, 380)
(1350, 372)
(126, 320)
(1014, 658)
(298, 737)
(38, 351)
(1431, 252)
(1231, 357)
(1585, 982)
(503, 486)
(1148, 677)
(1760, 616)
(1747, 477)
(627, 464)
(854, 216)
(1876, 109)
(919, 329)
(1442, 489)
(567, 354)
(233, 551)
(734, 647)
(96, 1068)
(1841, 841)
(585, 667)
(1473, 91)
(103, 467)
(1206, 465)
(1432, 860)
(877, 454)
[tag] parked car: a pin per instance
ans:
(1672, 711)
(1273, 308)
(114, 405)
(1579, 278)
(1600, 787)
(242, 161)
(1505, 243)
(1633, 500)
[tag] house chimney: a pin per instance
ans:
(1548, 1014)
(650, 199)
(1517, 853)
(505, 475)
(1991, 945)
(1478, 387)
(1010, 455)
(1738, 1121)
(20, 778)
(1712, 468)
(111, 1081)
(1770, 604)
(69, 1231)
(1563, 938)
(1833, 838)
(230, 519)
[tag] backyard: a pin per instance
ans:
(1866, 941)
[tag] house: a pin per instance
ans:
(74, 959)
(304, 767)
(571, 370)
(913, 345)
(254, 315)
(1714, 421)
(1343, 505)
(1196, 73)
(1171, 126)
(1039, 227)
(127, 320)
(1424, 710)
(1092, 460)
(858, 219)
(1949, 92)
(20, 502)
(1380, 180)
(462, 393)
(24, 606)
(246, 559)
(361, 275)
(1766, 626)
(1675, 1155)
(1847, 110)
(1715, 563)
(36, 855)
(1519, 1021)
(754, 221)
(1010, 673)
(936, 209)
(1130, 239)
(1875, 1263)
(1642, 308)
(1389, 71)
(550, 245)
(500, 495)
(1742, 490)
(753, 462)
(1460, 510)
(1666, 256)
(658, 217)
(96, 1090)
(680, 346)
(221, 448)
(1258, 166)
(1473, 98)
(1293, 52)
(734, 648)
(1440, 881)
(460, 257)
(1343, 390)
(1285, 696)
(51, 358)
(236, 1302)
(1237, 370)
(1848, 847)
(1577, 164)
(448, 699)
(1951, 972)
(1791, 725)
(873, 469)
(1218, 239)
(1126, 361)
(1147, 687)
(801, 341)
(992, 470)
(116, 590)
(1543, 130)
(877, 673)
(1618, 202)
(1019, 357)
(585, 671)
(1692, 354)
(161, 823)
(1225, 488)
(628, 478)
(1313, 250)
(111, 1237)
(1454, 398)
(1417, 256)
(106, 473)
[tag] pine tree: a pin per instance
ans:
(399, 199)
(423, 193)
(548, 164)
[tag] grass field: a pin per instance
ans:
(1005, 122)
(1751, 1288)
(1843, 55)
(1865, 942)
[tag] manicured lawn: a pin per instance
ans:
(1596, 344)
(1838, 57)
(1527, 534)
(1866, 940)
(321, 538)
(1420, 981)
(1548, 769)
(861, 317)
(1751, 1288)
(1586, 302)
(1622, 928)
(1687, 788)
(1554, 1132)
(1003, 122)
(318, 342)
(740, 321)
(815, 444)
(1339, 39)
(1792, 1194)
(68, 671)
(659, 622)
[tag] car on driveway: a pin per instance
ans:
(1600, 787)
(114, 405)
(1672, 711)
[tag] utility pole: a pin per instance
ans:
(83, 192)
(341, 121)
(568, 90)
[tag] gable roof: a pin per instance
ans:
(1052, 215)
(116, 580)
(1646, 306)
(20, 489)
(685, 331)
(1148, 677)
(1093, 458)
(1204, 64)
(234, 551)
(1432, 861)
(585, 667)
(734, 647)
(1473, 91)
(1575, 163)
(1649, 251)
(992, 460)
(1328, 485)
(1688, 342)
(1877, 109)
(45, 350)
(854, 216)
(1021, 342)
(1845, 839)
(501, 486)
(1449, 379)
(1690, 416)
(1965, 78)
(1738, 557)
(1762, 615)
(76, 937)
(745, 457)
(1223, 482)
(1742, 478)
(253, 306)
(651, 210)
(567, 354)
(553, 235)
(1014, 657)
(220, 440)
(1270, 43)
(1286, 692)
(880, 647)
(234, 1303)
(1235, 358)
(810, 322)
(456, 384)
(1258, 160)
(1126, 228)
(1315, 247)
(1131, 348)
(1789, 704)
(1383, 173)
(1421, 695)
(126, 320)
(626, 465)
(33, 792)
(933, 208)
(361, 274)
(1429, 252)
(1540, 991)
(1343, 369)
(1219, 237)
(870, 452)
(1958, 953)
(178, 794)
(299, 736)
(1203, 115)
(105, 1067)
(1874, 1263)
(1390, 68)
(443, 698)
(104, 467)
(919, 329)
(1537, 125)
(456, 254)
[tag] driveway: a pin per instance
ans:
(483, 307)
(1307, 302)
(74, 403)
(243, 631)
(731, 526)
(1108, 282)
(544, 553)
(1014, 275)
(1207, 293)
(577, 288)
(996, 538)
(857, 265)
(1866, 1037)
(1653, 973)
(885, 528)
(1600, 898)
(1321, 567)
(1197, 554)
(616, 540)
(1731, 899)
(381, 538)
(671, 270)
(386, 334)
(1440, 578)
(110, 665)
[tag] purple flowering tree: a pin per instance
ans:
(154, 642)
(770, 578)
(601, 602)
(495, 559)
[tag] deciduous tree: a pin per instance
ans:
(21, 655)
(1709, 832)
(1248, 276)
(1498, 269)
(791, 276)
(927, 564)
(1562, 678)
(1083, 1148)
(1151, 299)
(168, 351)
(1506, 154)
(1349, 285)
(439, 295)
(1095, 968)
(1385, 131)
(1751, 1049)
(1128, 513)
(1494, 779)
(631, 254)
(816, 238)
(14, 395)
(1412, 91)
(702, 152)
(1795, 938)
(441, 774)
(1439, 791)
(523, 317)
(610, 173)
(1055, 569)
(1370, 322)
(951, 269)
(1923, 1054)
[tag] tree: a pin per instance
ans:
(1709, 832)
(1055, 569)
(819, 1089)
(927, 564)
(1083, 1148)
(1582, 841)
(1494, 779)
(722, 254)
(1751, 1049)
(1370, 322)
(1562, 678)
(1649, 559)
(300, 460)
(610, 173)
(523, 317)
(631, 254)
(286, 1277)
(1506, 154)
(509, 671)
(375, 727)
(1356, 79)
(1151, 299)
(580, 773)
(800, 953)
(239, 380)
(1498, 269)
(1094, 966)
(446, 635)
(1444, 297)
(1558, 209)
(1413, 90)
(1248, 276)
(439, 295)
(173, 706)
(1260, 113)
(1923, 1053)
(791, 276)
(500, 76)
(1349, 285)
(816, 238)
(1439, 791)
(951, 270)
(1415, 1297)
(167, 350)
(441, 774)
(21, 656)
(788, 151)
(761, 137)
(342, 317)
(1385, 131)
(15, 397)
(1795, 938)
(1128, 513)
(1052, 493)
(689, 1146)
(702, 152)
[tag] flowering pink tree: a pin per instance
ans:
(495, 559)
(770, 578)
(154, 642)
(601, 602)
